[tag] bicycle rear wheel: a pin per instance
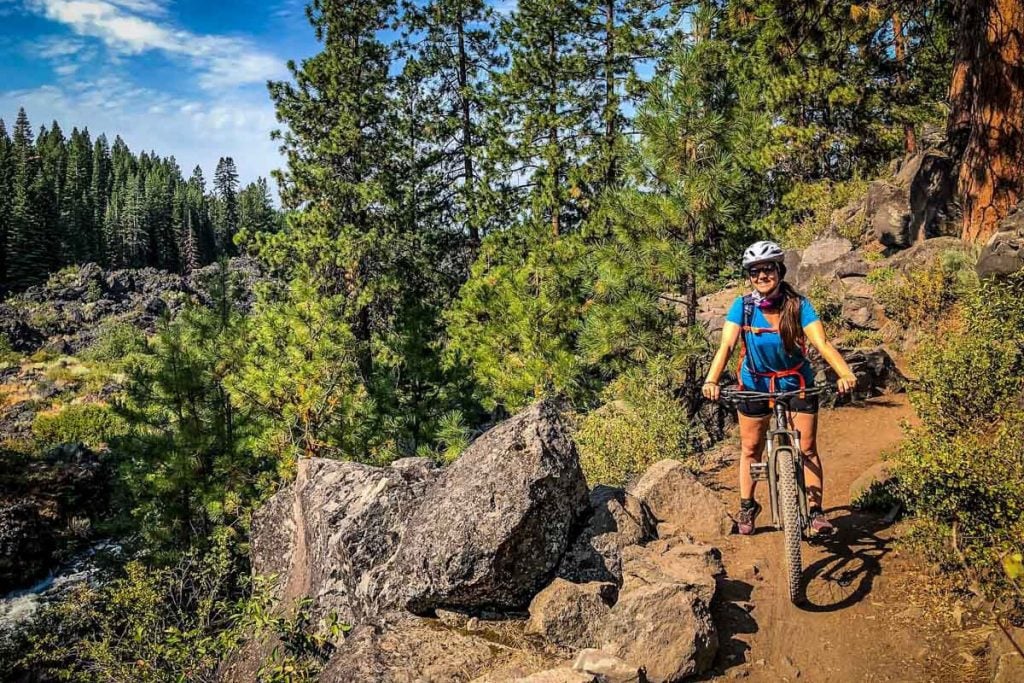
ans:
(792, 529)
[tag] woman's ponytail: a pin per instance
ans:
(790, 330)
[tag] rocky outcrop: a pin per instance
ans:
(673, 494)
(493, 528)
(663, 627)
(617, 520)
(65, 313)
(914, 204)
(486, 532)
(678, 561)
(566, 613)
(875, 370)
(387, 548)
(45, 510)
(332, 536)
(1003, 254)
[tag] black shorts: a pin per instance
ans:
(759, 407)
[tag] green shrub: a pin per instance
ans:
(639, 424)
(921, 295)
(861, 339)
(828, 303)
(807, 209)
(8, 356)
(116, 340)
(962, 470)
(90, 423)
(146, 624)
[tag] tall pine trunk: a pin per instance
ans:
(467, 140)
(986, 120)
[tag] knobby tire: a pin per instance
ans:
(789, 502)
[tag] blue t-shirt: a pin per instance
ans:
(766, 352)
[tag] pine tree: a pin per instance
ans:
(338, 148)
(542, 116)
(28, 249)
(99, 194)
(986, 118)
(256, 213)
(225, 186)
(6, 193)
(684, 216)
(52, 152)
(199, 219)
(453, 49)
(76, 210)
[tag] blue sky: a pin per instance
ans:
(183, 78)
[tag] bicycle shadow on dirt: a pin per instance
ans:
(847, 573)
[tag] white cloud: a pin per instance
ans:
(236, 124)
(131, 27)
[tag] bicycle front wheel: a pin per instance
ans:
(792, 528)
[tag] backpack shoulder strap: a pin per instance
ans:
(748, 310)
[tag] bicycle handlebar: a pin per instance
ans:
(732, 393)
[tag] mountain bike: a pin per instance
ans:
(784, 472)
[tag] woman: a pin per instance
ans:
(775, 323)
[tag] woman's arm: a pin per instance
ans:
(730, 333)
(815, 333)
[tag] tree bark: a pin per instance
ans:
(986, 121)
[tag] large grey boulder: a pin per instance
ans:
(828, 260)
(915, 203)
(617, 520)
(1003, 254)
(673, 494)
(665, 629)
(333, 534)
(566, 614)
(887, 210)
(692, 566)
(491, 530)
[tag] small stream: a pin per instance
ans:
(18, 607)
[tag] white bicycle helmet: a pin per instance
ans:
(761, 252)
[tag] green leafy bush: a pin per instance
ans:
(639, 424)
(962, 469)
(921, 295)
(90, 423)
(806, 211)
(8, 356)
(116, 340)
(146, 624)
(828, 303)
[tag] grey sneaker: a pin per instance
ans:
(820, 525)
(746, 518)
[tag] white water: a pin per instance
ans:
(18, 607)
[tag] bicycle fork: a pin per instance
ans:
(782, 454)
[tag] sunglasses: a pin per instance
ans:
(756, 271)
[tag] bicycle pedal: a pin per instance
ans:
(759, 471)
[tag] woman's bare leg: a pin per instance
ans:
(807, 425)
(752, 435)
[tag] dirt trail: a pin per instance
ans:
(861, 622)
